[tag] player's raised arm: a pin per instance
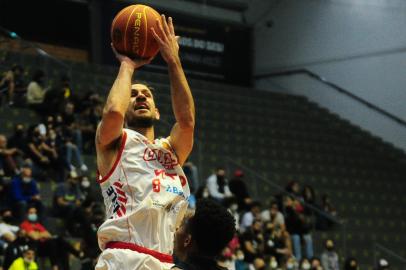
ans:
(181, 137)
(118, 100)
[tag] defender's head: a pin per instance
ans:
(142, 112)
(206, 232)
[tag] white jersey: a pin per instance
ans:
(145, 194)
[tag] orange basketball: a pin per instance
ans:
(131, 31)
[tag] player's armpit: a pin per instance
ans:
(181, 140)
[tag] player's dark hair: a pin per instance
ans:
(212, 227)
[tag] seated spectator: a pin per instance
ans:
(26, 262)
(316, 264)
(18, 139)
(8, 232)
(252, 242)
(249, 217)
(24, 192)
(36, 91)
(12, 82)
(5, 200)
(10, 158)
(351, 264)
(56, 248)
(240, 263)
(15, 249)
(293, 188)
(277, 244)
(68, 199)
(217, 186)
(57, 96)
(329, 257)
(259, 264)
(274, 216)
(304, 264)
(202, 236)
(239, 189)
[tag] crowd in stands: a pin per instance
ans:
(50, 151)
(276, 234)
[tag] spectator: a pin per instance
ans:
(324, 223)
(16, 248)
(54, 247)
(382, 264)
(351, 264)
(72, 136)
(294, 225)
(329, 258)
(57, 96)
(12, 82)
(24, 192)
(304, 264)
(18, 139)
(10, 158)
(274, 216)
(252, 242)
(239, 189)
(259, 264)
(68, 200)
(217, 186)
(192, 175)
(249, 217)
(316, 264)
(5, 200)
(240, 263)
(293, 188)
(36, 91)
(278, 244)
(26, 262)
(202, 236)
(8, 232)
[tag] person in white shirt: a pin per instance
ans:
(217, 186)
(274, 216)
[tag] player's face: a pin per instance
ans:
(142, 111)
(182, 238)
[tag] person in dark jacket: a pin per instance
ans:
(202, 236)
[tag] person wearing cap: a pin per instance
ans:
(239, 189)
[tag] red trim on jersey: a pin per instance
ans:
(120, 152)
(166, 258)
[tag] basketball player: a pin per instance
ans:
(202, 236)
(143, 185)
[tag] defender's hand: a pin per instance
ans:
(133, 63)
(164, 34)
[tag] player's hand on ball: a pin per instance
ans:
(133, 63)
(164, 34)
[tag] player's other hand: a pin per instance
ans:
(164, 34)
(132, 63)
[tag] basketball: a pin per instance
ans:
(131, 31)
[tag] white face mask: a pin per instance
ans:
(85, 183)
(234, 207)
(290, 266)
(240, 257)
(274, 264)
(28, 260)
(26, 179)
(305, 266)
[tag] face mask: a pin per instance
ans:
(240, 257)
(26, 179)
(274, 264)
(290, 266)
(32, 217)
(306, 266)
(85, 183)
(28, 261)
(234, 207)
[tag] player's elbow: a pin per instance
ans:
(187, 124)
(113, 111)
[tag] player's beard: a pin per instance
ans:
(141, 122)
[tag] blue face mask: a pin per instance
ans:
(32, 217)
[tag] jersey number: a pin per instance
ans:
(156, 185)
